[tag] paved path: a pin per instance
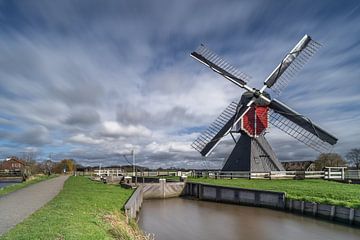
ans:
(18, 205)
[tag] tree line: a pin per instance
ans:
(50, 167)
(352, 159)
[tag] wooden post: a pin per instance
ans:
(218, 194)
(332, 212)
(351, 215)
(302, 206)
(200, 193)
(290, 204)
(315, 207)
(162, 182)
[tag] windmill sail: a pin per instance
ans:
(300, 127)
(220, 66)
(209, 139)
(291, 64)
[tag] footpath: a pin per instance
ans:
(18, 205)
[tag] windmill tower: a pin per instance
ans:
(250, 116)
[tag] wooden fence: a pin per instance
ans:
(336, 173)
(261, 175)
(11, 173)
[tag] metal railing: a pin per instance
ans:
(108, 172)
(159, 173)
(352, 174)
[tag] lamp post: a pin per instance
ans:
(134, 166)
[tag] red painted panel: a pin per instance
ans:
(255, 119)
(261, 119)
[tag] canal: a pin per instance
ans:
(4, 184)
(178, 218)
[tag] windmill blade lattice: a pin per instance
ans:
(292, 64)
(299, 133)
(219, 65)
(225, 120)
(299, 127)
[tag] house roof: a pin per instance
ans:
(17, 160)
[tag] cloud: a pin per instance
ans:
(83, 117)
(115, 129)
(35, 136)
(83, 139)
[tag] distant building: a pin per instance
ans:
(13, 164)
(299, 165)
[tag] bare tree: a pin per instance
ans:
(353, 156)
(29, 156)
(47, 166)
(329, 160)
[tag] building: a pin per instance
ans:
(298, 165)
(13, 164)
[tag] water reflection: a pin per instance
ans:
(177, 218)
(4, 184)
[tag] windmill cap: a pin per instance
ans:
(247, 96)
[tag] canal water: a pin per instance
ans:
(182, 219)
(4, 184)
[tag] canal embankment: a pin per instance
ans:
(14, 184)
(243, 196)
(151, 190)
(271, 199)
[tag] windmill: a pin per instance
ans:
(250, 116)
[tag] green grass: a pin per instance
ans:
(317, 190)
(17, 186)
(77, 212)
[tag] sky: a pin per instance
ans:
(93, 80)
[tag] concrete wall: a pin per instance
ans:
(326, 211)
(133, 205)
(240, 196)
(151, 191)
(235, 195)
(271, 200)
(163, 189)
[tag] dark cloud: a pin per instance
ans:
(83, 117)
(34, 136)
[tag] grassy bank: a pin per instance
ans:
(17, 186)
(320, 191)
(84, 209)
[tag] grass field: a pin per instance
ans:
(84, 209)
(17, 186)
(318, 190)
